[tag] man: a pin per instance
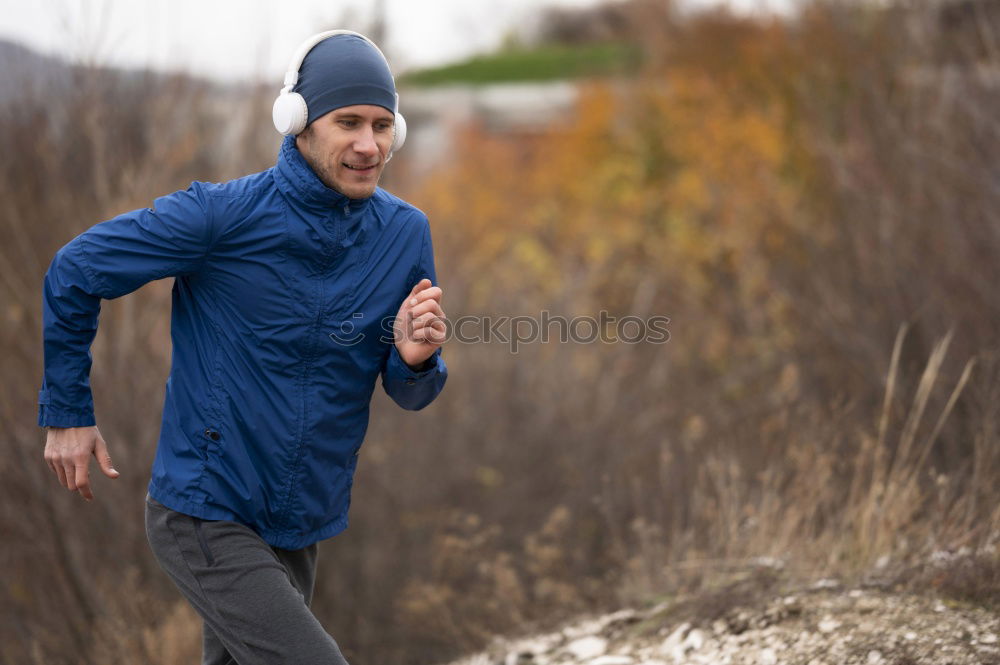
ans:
(295, 288)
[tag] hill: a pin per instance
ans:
(27, 70)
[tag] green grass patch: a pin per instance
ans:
(545, 63)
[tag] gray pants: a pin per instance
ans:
(254, 598)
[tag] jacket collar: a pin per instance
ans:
(297, 180)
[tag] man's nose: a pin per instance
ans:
(365, 142)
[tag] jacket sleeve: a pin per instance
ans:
(109, 260)
(415, 389)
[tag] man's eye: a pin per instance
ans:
(383, 127)
(348, 123)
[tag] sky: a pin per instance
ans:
(253, 39)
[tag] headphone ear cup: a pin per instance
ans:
(289, 113)
(398, 132)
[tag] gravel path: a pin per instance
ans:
(823, 624)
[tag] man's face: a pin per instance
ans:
(347, 148)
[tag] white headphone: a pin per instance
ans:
(290, 111)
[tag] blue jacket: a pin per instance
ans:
(282, 307)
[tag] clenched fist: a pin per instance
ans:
(420, 324)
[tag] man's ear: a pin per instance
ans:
(303, 137)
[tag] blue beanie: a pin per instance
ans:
(344, 70)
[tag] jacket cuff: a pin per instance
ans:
(52, 416)
(398, 369)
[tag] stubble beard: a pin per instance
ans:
(322, 169)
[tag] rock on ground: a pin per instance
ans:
(819, 625)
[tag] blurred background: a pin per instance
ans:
(810, 191)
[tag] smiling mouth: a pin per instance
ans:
(359, 167)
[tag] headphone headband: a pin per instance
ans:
(292, 74)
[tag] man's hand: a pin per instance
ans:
(420, 324)
(68, 451)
